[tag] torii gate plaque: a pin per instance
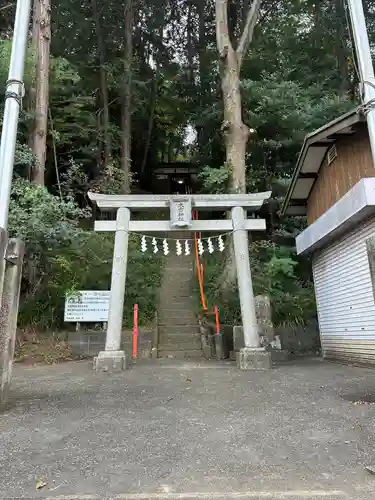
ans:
(113, 358)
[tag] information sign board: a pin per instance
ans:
(87, 306)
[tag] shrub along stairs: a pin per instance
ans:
(179, 334)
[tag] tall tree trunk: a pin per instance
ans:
(31, 98)
(126, 108)
(244, 11)
(235, 131)
(205, 89)
(42, 90)
(341, 52)
(105, 120)
(190, 45)
(154, 97)
(151, 120)
(202, 47)
(317, 23)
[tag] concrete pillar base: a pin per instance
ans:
(253, 359)
(219, 347)
(279, 355)
(111, 361)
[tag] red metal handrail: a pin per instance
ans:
(200, 270)
(135, 331)
(217, 318)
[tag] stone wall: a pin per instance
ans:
(88, 343)
(294, 339)
(300, 339)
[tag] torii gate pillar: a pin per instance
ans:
(113, 358)
(252, 356)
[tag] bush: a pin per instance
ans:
(62, 258)
(275, 272)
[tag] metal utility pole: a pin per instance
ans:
(366, 69)
(13, 100)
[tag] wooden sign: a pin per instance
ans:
(180, 212)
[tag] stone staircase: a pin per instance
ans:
(179, 335)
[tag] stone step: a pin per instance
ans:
(184, 323)
(172, 322)
(187, 305)
(178, 320)
(180, 339)
(177, 339)
(171, 349)
(196, 353)
(177, 293)
(172, 289)
(182, 312)
(173, 300)
(180, 347)
(167, 324)
(179, 270)
(184, 308)
(172, 307)
(181, 331)
(186, 311)
(179, 262)
(178, 279)
(178, 330)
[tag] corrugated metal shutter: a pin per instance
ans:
(345, 298)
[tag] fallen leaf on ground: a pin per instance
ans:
(370, 469)
(40, 484)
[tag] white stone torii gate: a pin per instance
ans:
(113, 358)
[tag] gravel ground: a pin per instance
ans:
(171, 429)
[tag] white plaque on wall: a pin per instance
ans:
(87, 306)
(181, 212)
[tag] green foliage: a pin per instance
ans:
(5, 51)
(216, 180)
(24, 159)
(276, 272)
(41, 219)
(281, 113)
(62, 258)
(111, 180)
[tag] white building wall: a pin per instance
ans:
(345, 298)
